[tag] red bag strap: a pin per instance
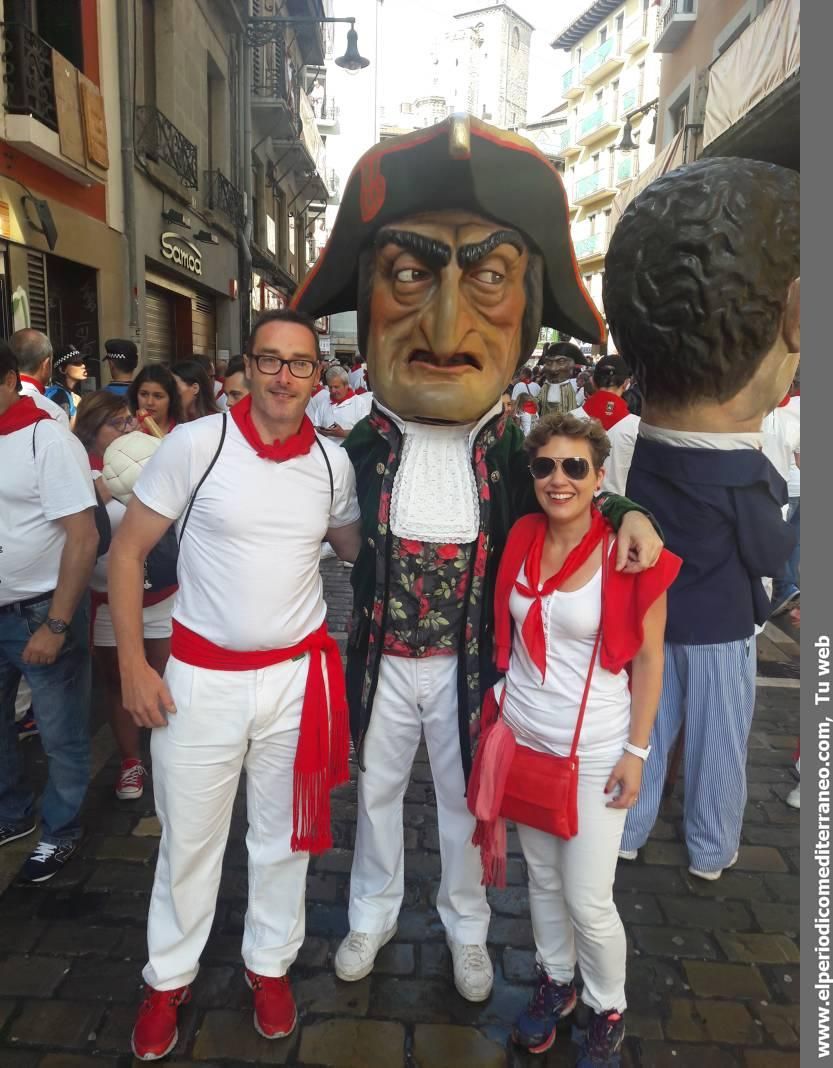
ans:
(586, 693)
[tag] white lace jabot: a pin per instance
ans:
(435, 493)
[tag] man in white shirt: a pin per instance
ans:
(48, 542)
(245, 684)
(357, 376)
(525, 385)
(346, 407)
(33, 352)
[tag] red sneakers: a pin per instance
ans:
(275, 1013)
(155, 1033)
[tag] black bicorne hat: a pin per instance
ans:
(465, 164)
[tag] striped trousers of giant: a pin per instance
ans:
(709, 689)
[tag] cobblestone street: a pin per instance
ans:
(712, 969)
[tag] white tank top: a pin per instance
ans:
(543, 716)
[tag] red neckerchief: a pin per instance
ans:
(533, 627)
(530, 407)
(318, 389)
(33, 382)
(22, 413)
(627, 597)
(297, 445)
(96, 461)
(350, 393)
(607, 407)
(783, 403)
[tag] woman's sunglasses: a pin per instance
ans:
(575, 468)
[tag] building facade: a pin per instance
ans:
(62, 264)
(613, 75)
(731, 78)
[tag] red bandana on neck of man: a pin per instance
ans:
(33, 382)
(297, 445)
(350, 393)
(21, 414)
(607, 407)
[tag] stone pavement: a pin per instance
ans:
(712, 967)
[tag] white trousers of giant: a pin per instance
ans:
(413, 696)
(226, 721)
(571, 896)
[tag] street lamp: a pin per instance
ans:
(260, 30)
(628, 142)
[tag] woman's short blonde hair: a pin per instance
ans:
(564, 425)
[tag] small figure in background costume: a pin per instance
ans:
(433, 246)
(701, 288)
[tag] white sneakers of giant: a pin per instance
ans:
(710, 876)
(356, 955)
(473, 974)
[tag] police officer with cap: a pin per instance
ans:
(121, 356)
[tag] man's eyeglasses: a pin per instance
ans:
(574, 467)
(122, 425)
(273, 365)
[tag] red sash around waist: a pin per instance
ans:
(323, 740)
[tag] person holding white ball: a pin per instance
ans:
(103, 419)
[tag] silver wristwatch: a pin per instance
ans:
(57, 626)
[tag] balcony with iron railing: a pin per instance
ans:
(158, 140)
(639, 32)
(598, 123)
(603, 60)
(222, 195)
(592, 246)
(674, 22)
(30, 88)
(571, 83)
(597, 185)
(627, 168)
(275, 91)
(32, 123)
(326, 112)
(631, 98)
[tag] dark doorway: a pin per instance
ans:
(73, 309)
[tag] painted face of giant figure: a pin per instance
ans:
(446, 308)
(435, 249)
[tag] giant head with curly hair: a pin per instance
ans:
(702, 296)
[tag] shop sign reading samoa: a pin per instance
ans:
(181, 252)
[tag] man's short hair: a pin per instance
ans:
(31, 348)
(697, 275)
(283, 315)
(8, 362)
(337, 372)
(235, 366)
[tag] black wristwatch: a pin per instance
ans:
(57, 626)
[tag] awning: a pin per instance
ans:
(670, 157)
(762, 58)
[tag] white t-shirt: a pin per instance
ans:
(350, 411)
(356, 379)
(622, 437)
(543, 716)
(37, 491)
(44, 403)
(115, 513)
(532, 388)
(265, 521)
(318, 409)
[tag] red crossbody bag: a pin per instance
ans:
(542, 789)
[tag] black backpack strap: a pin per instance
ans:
(207, 472)
(329, 470)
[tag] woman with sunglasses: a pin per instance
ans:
(569, 630)
(154, 400)
(102, 418)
